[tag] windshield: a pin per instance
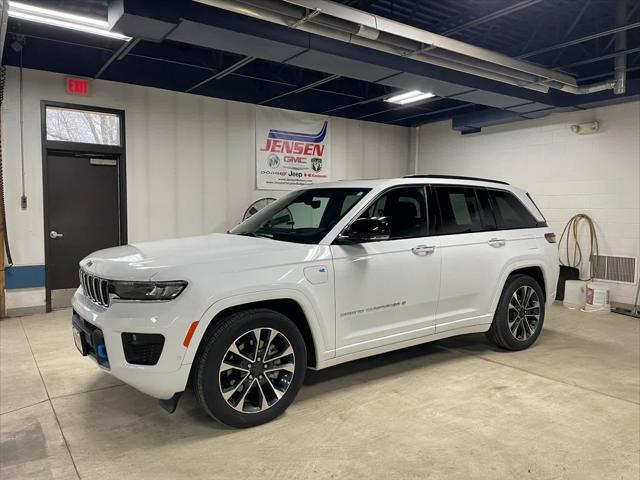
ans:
(303, 216)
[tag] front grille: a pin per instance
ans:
(95, 288)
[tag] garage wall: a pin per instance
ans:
(565, 173)
(190, 161)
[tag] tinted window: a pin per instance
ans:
(459, 210)
(303, 216)
(487, 215)
(406, 209)
(349, 201)
(510, 211)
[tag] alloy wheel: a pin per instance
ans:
(523, 313)
(256, 370)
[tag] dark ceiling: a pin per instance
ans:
(531, 29)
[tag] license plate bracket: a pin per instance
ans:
(78, 338)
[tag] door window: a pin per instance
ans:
(487, 215)
(459, 210)
(511, 212)
(82, 126)
(406, 209)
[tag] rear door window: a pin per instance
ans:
(487, 215)
(460, 210)
(510, 212)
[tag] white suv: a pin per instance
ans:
(325, 275)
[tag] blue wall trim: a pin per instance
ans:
(24, 276)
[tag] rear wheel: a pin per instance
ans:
(250, 368)
(520, 314)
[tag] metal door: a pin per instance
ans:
(82, 212)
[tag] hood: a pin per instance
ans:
(143, 261)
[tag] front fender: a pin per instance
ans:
(323, 346)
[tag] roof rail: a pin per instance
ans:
(457, 177)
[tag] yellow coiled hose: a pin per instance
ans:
(570, 237)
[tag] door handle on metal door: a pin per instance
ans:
(53, 234)
(497, 242)
(423, 250)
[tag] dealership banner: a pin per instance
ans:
(292, 149)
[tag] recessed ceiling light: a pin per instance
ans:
(409, 97)
(63, 19)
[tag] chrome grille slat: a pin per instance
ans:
(95, 288)
(92, 293)
(103, 297)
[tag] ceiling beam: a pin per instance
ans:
(65, 42)
(223, 73)
(434, 112)
(304, 88)
(570, 30)
(119, 54)
(577, 41)
(361, 102)
(489, 17)
(628, 51)
(391, 109)
(609, 74)
(629, 17)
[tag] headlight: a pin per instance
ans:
(146, 290)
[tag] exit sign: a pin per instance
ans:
(77, 86)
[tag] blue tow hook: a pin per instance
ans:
(102, 352)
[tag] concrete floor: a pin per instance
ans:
(567, 408)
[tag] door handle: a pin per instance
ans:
(497, 242)
(53, 234)
(423, 250)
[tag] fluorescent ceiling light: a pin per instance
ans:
(62, 19)
(409, 97)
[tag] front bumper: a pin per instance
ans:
(107, 325)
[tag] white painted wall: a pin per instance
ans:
(565, 173)
(190, 161)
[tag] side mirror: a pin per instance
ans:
(366, 230)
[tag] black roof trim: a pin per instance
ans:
(457, 177)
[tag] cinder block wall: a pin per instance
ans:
(565, 173)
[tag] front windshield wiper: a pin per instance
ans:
(254, 234)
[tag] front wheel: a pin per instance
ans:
(520, 314)
(250, 368)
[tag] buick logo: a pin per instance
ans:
(273, 160)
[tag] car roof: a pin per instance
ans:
(415, 180)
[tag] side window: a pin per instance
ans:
(459, 210)
(510, 211)
(487, 215)
(349, 201)
(406, 209)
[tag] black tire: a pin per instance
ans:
(208, 378)
(501, 331)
